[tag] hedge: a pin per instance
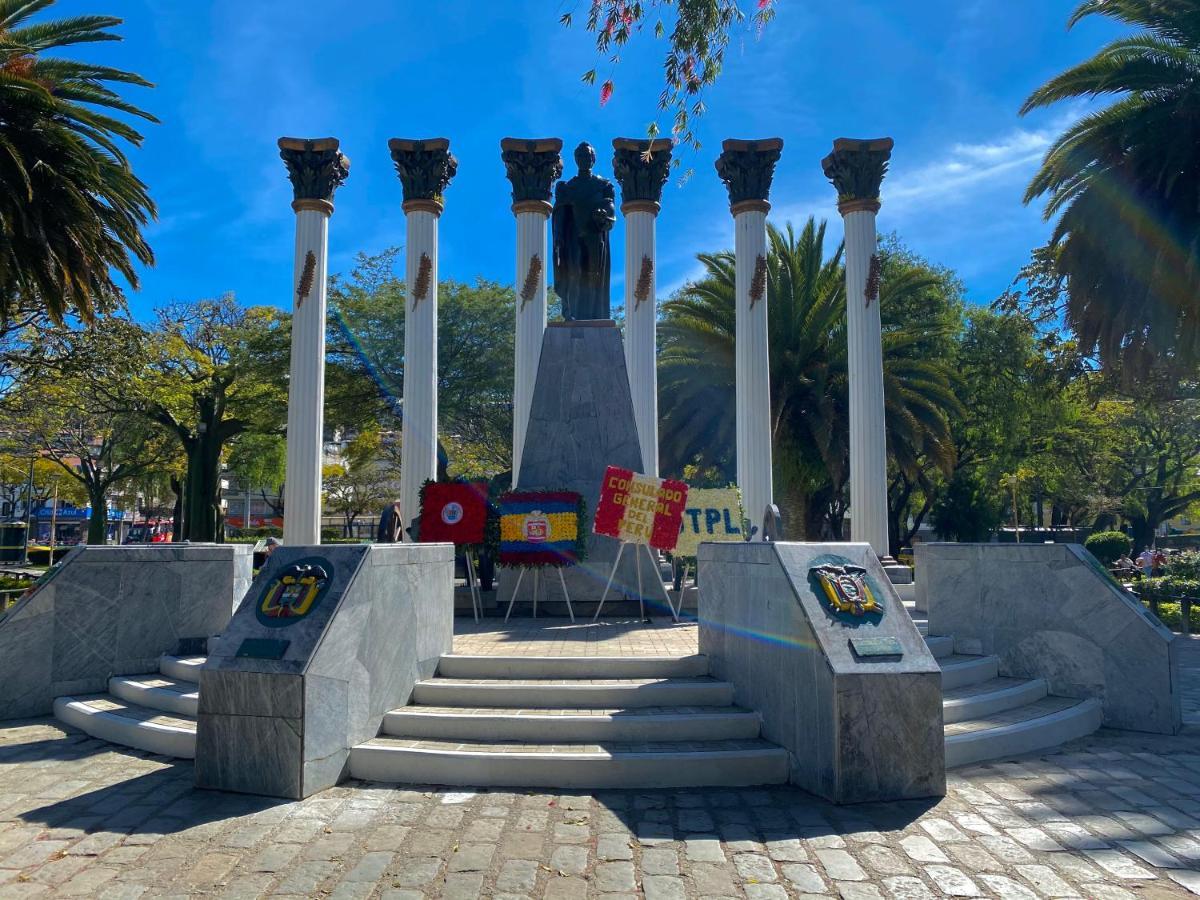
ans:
(1108, 546)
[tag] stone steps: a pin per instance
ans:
(976, 701)
(566, 667)
(1036, 726)
(531, 726)
(614, 764)
(572, 722)
(986, 716)
(156, 713)
(580, 693)
(959, 670)
(157, 692)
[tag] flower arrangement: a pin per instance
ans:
(454, 512)
(541, 528)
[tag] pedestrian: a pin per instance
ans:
(1145, 562)
(272, 544)
(1159, 563)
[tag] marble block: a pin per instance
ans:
(284, 727)
(1052, 611)
(108, 611)
(580, 423)
(857, 728)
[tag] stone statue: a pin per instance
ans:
(584, 213)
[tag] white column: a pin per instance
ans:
(747, 168)
(531, 320)
(316, 169)
(532, 165)
(418, 450)
(642, 168)
(641, 327)
(425, 168)
(856, 168)
(753, 367)
(868, 430)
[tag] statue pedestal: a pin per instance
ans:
(580, 422)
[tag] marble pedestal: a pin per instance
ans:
(859, 727)
(580, 422)
(284, 726)
(113, 611)
(1053, 611)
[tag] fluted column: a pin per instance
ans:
(856, 169)
(316, 169)
(532, 166)
(425, 169)
(747, 168)
(642, 168)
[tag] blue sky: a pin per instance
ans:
(943, 77)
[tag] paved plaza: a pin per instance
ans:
(1115, 815)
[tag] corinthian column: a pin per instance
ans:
(316, 168)
(747, 167)
(425, 169)
(856, 169)
(532, 166)
(642, 168)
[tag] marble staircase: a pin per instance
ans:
(986, 716)
(156, 713)
(591, 721)
(571, 722)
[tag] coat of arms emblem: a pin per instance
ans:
(293, 593)
(846, 589)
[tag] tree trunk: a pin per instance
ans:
(97, 532)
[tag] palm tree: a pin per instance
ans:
(1124, 182)
(806, 310)
(71, 209)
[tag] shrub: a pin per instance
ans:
(1184, 565)
(1108, 546)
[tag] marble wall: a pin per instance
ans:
(1052, 611)
(284, 727)
(113, 611)
(857, 728)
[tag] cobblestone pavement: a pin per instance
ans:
(1112, 816)
(559, 637)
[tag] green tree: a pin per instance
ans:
(475, 362)
(71, 208)
(360, 483)
(259, 462)
(62, 416)
(1123, 183)
(806, 311)
(214, 370)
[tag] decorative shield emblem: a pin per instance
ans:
(452, 513)
(537, 527)
(293, 593)
(846, 589)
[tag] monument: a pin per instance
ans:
(581, 417)
(584, 214)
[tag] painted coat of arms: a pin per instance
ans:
(292, 594)
(846, 589)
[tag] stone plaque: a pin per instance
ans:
(877, 646)
(262, 648)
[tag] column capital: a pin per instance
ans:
(856, 168)
(532, 165)
(425, 168)
(747, 168)
(642, 168)
(316, 168)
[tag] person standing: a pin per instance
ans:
(1145, 562)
